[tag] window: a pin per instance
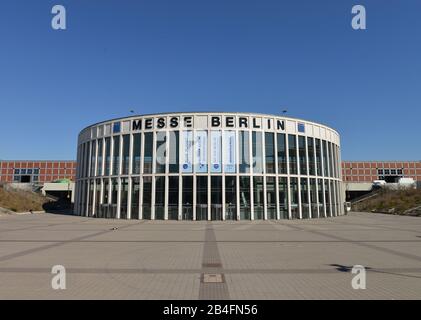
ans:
(36, 171)
(22, 171)
(29, 171)
(245, 198)
(187, 198)
(386, 171)
(271, 198)
(270, 152)
(161, 139)
(380, 172)
(244, 152)
(282, 153)
(159, 198)
(292, 150)
(331, 168)
(126, 154)
(325, 159)
(311, 158)
(302, 152)
(135, 198)
(147, 197)
(17, 171)
(258, 198)
(294, 198)
(400, 172)
(305, 208)
(173, 189)
(136, 153)
(116, 155)
(93, 158)
(201, 198)
(114, 195)
(35, 178)
(327, 198)
(107, 156)
(147, 157)
(98, 198)
(99, 159)
(319, 158)
(124, 197)
(216, 198)
(321, 198)
(283, 197)
(392, 171)
(257, 152)
(313, 198)
(230, 198)
(174, 152)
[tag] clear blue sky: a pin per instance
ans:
(230, 55)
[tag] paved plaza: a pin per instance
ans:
(115, 259)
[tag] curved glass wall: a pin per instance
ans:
(204, 173)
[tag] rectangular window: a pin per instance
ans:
(333, 196)
(327, 198)
(124, 197)
(270, 152)
(137, 144)
(216, 198)
(99, 158)
(271, 198)
(114, 194)
(325, 159)
(257, 150)
(159, 198)
(126, 154)
(332, 169)
(29, 171)
(245, 210)
(116, 155)
(292, 152)
(107, 156)
(147, 197)
(282, 153)
(294, 198)
(313, 198)
(187, 198)
(98, 198)
(321, 203)
(305, 207)
(135, 198)
(201, 198)
(36, 171)
(302, 152)
(173, 191)
(258, 198)
(319, 158)
(311, 158)
(148, 153)
(93, 158)
(17, 171)
(161, 140)
(174, 152)
(244, 151)
(283, 197)
(230, 198)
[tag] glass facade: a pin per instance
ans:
(242, 172)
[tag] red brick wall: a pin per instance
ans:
(48, 170)
(351, 170)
